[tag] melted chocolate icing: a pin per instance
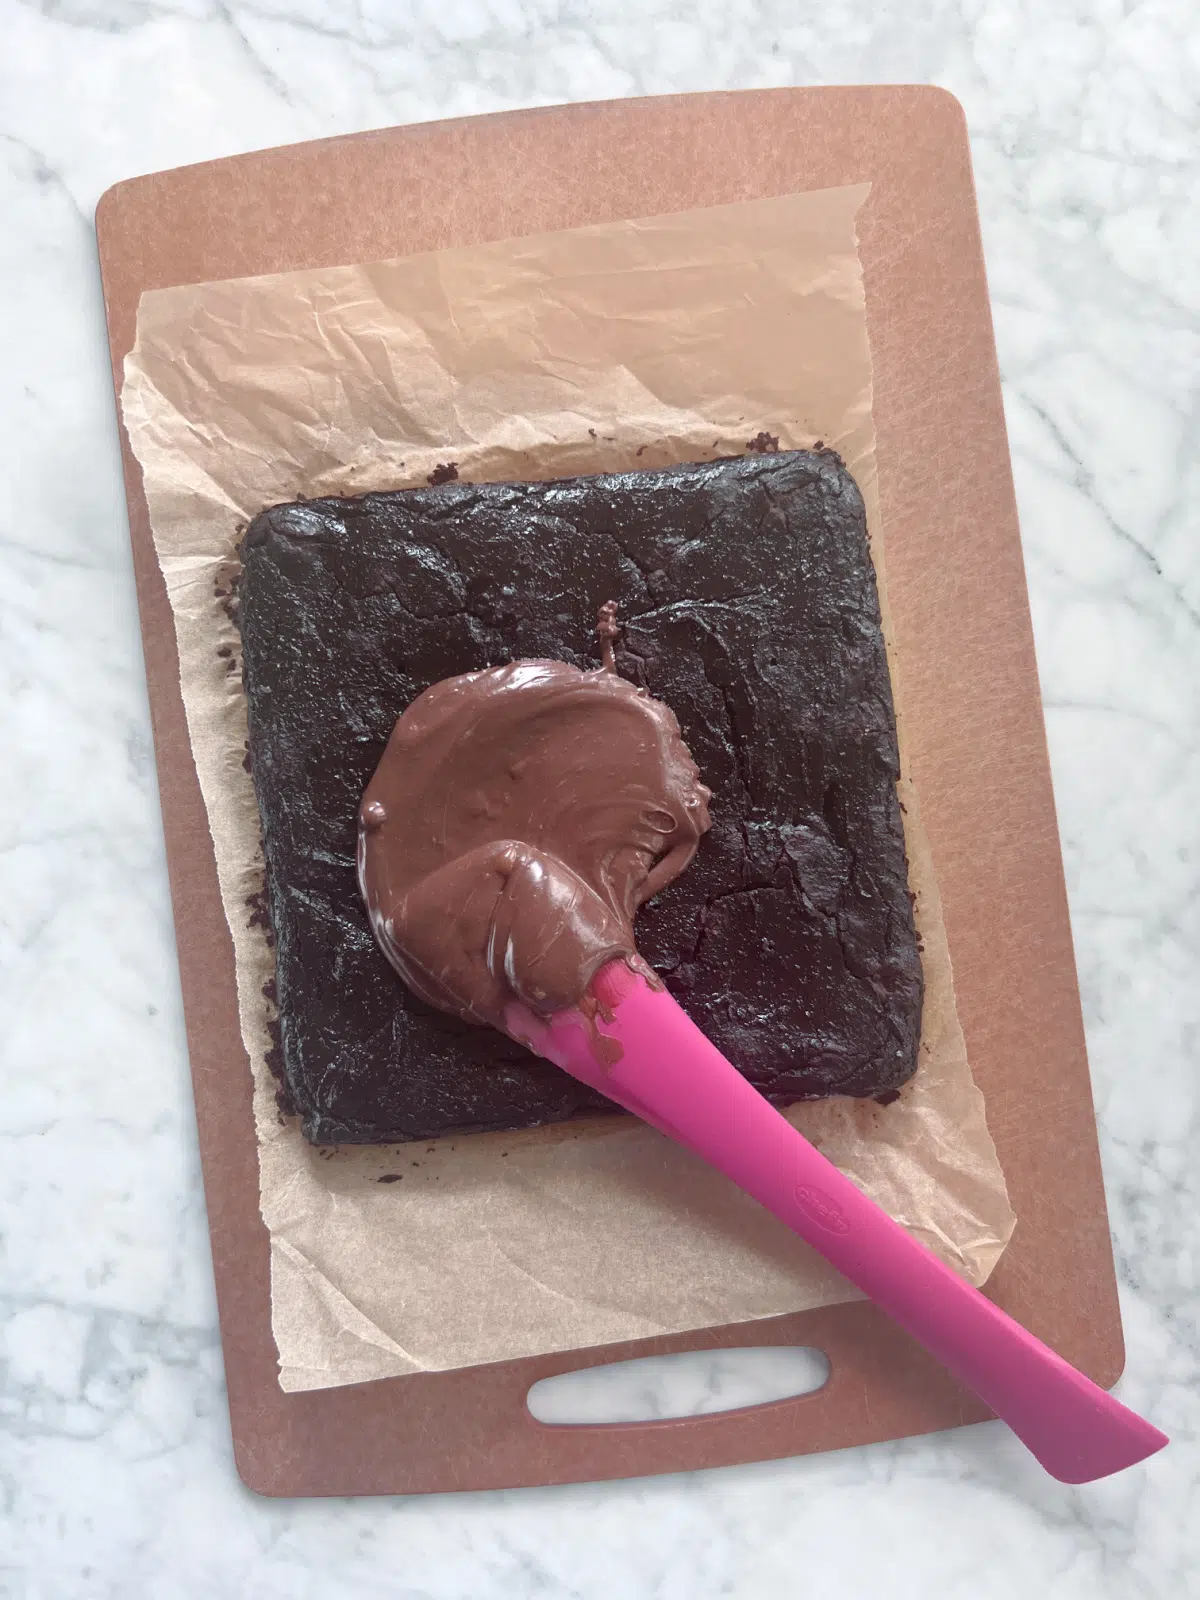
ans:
(519, 818)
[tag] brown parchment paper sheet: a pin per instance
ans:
(660, 340)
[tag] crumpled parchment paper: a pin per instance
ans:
(643, 342)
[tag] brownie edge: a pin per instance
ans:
(748, 595)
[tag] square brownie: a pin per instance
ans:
(748, 597)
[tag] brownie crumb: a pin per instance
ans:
(888, 1097)
(763, 444)
(260, 915)
(444, 472)
(225, 589)
(390, 1177)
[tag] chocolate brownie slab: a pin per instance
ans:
(748, 596)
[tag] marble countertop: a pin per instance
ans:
(115, 1471)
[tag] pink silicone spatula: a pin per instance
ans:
(670, 1075)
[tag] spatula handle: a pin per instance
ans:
(672, 1076)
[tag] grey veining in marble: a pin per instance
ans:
(115, 1474)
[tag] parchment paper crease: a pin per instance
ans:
(636, 343)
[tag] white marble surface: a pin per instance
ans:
(115, 1473)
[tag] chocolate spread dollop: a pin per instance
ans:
(518, 819)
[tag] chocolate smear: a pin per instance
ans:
(519, 818)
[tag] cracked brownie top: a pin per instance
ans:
(748, 598)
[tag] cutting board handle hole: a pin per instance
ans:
(694, 1383)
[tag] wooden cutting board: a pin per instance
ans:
(957, 591)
